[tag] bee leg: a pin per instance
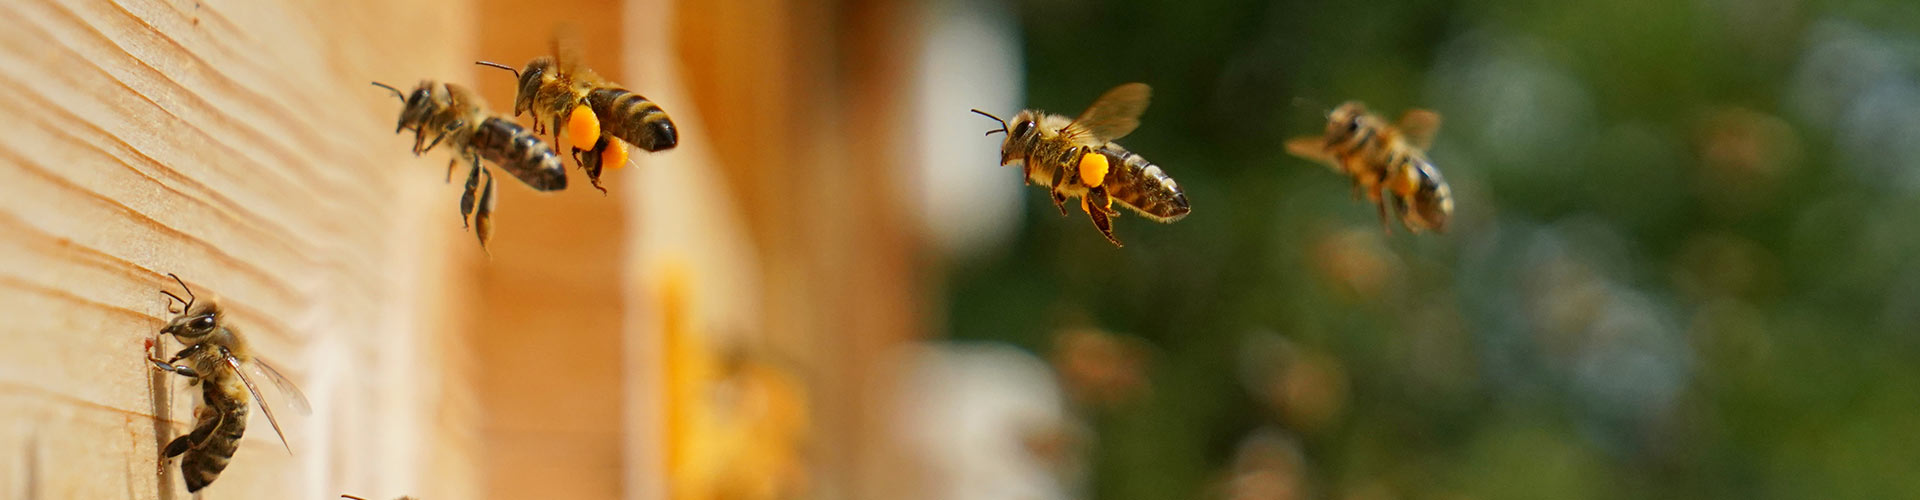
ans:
(466, 198)
(188, 351)
(193, 439)
(594, 158)
(483, 219)
(443, 135)
(1380, 205)
(1105, 225)
(419, 139)
(450, 163)
(173, 368)
(1060, 202)
(1098, 197)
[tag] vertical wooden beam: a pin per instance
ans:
(790, 154)
(550, 321)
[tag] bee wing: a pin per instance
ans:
(294, 398)
(570, 54)
(462, 98)
(1312, 148)
(1419, 127)
(234, 363)
(1114, 115)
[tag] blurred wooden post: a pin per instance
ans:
(774, 234)
(550, 313)
(238, 144)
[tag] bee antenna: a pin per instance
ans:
(396, 92)
(170, 303)
(1003, 123)
(183, 286)
(351, 496)
(516, 73)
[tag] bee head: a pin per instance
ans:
(1345, 122)
(195, 324)
(194, 320)
(1017, 132)
(1023, 132)
(538, 72)
(409, 103)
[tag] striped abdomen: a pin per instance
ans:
(517, 151)
(1142, 186)
(221, 420)
(633, 118)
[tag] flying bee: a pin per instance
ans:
(1077, 158)
(598, 115)
(1387, 161)
(214, 354)
(455, 115)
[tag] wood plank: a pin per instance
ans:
(238, 144)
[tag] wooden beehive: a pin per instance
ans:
(238, 144)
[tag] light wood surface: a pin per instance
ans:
(237, 144)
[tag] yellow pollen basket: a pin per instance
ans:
(615, 156)
(583, 127)
(1093, 169)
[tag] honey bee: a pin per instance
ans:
(600, 117)
(213, 357)
(1077, 158)
(1386, 161)
(455, 115)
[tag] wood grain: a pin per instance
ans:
(237, 144)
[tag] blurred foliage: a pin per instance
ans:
(1683, 263)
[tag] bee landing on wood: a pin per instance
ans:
(600, 117)
(1386, 161)
(1077, 158)
(455, 115)
(214, 355)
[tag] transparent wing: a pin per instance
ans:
(234, 363)
(1114, 115)
(570, 53)
(1419, 127)
(294, 397)
(1312, 148)
(463, 98)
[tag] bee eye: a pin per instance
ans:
(201, 323)
(1023, 128)
(1353, 125)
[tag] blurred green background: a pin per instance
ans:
(1681, 265)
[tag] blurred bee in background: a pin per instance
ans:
(456, 115)
(213, 357)
(1385, 157)
(1077, 158)
(600, 117)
